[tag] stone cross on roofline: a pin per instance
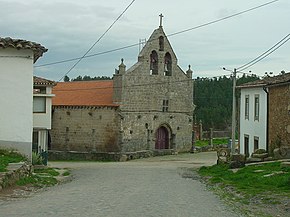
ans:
(161, 16)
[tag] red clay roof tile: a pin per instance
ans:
(83, 93)
(43, 81)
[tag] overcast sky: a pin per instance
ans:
(68, 28)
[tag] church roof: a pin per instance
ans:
(84, 93)
(20, 44)
(153, 42)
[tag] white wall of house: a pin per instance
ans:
(251, 127)
(42, 120)
(16, 95)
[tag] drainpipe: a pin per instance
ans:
(267, 124)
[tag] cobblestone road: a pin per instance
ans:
(152, 187)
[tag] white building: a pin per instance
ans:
(253, 117)
(42, 104)
(16, 93)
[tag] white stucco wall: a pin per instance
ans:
(16, 84)
(253, 128)
(43, 120)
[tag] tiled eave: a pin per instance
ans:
(19, 44)
(282, 79)
(85, 106)
(42, 82)
(251, 86)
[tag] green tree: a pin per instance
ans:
(89, 78)
(66, 78)
(213, 100)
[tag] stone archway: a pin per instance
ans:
(162, 138)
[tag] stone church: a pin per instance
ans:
(147, 107)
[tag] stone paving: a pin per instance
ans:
(161, 186)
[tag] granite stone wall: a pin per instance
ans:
(279, 115)
(90, 129)
(151, 98)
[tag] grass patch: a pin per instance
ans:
(9, 156)
(217, 141)
(66, 173)
(37, 181)
(40, 178)
(49, 171)
(252, 179)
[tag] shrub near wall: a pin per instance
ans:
(15, 171)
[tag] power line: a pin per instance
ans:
(172, 34)
(87, 56)
(128, 86)
(134, 85)
(80, 59)
(265, 54)
(224, 18)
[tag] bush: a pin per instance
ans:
(36, 159)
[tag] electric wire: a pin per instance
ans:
(81, 58)
(87, 56)
(135, 85)
(224, 18)
(265, 54)
(169, 35)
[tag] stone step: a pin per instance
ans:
(285, 164)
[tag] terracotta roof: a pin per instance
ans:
(83, 93)
(268, 81)
(279, 79)
(257, 83)
(43, 81)
(20, 44)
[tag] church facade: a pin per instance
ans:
(151, 106)
(155, 99)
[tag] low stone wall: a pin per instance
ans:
(103, 156)
(87, 156)
(14, 172)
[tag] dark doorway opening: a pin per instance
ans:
(162, 138)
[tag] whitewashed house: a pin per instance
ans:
(16, 93)
(253, 117)
(42, 104)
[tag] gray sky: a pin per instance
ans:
(68, 28)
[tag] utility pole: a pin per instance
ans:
(234, 113)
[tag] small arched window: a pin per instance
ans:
(167, 65)
(153, 63)
(161, 43)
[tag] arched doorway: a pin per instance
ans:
(162, 138)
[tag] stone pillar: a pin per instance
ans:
(211, 137)
(122, 67)
(200, 130)
(118, 83)
(189, 72)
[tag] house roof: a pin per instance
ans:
(43, 81)
(279, 79)
(84, 93)
(268, 81)
(20, 44)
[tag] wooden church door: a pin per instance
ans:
(162, 138)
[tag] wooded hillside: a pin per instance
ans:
(213, 100)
